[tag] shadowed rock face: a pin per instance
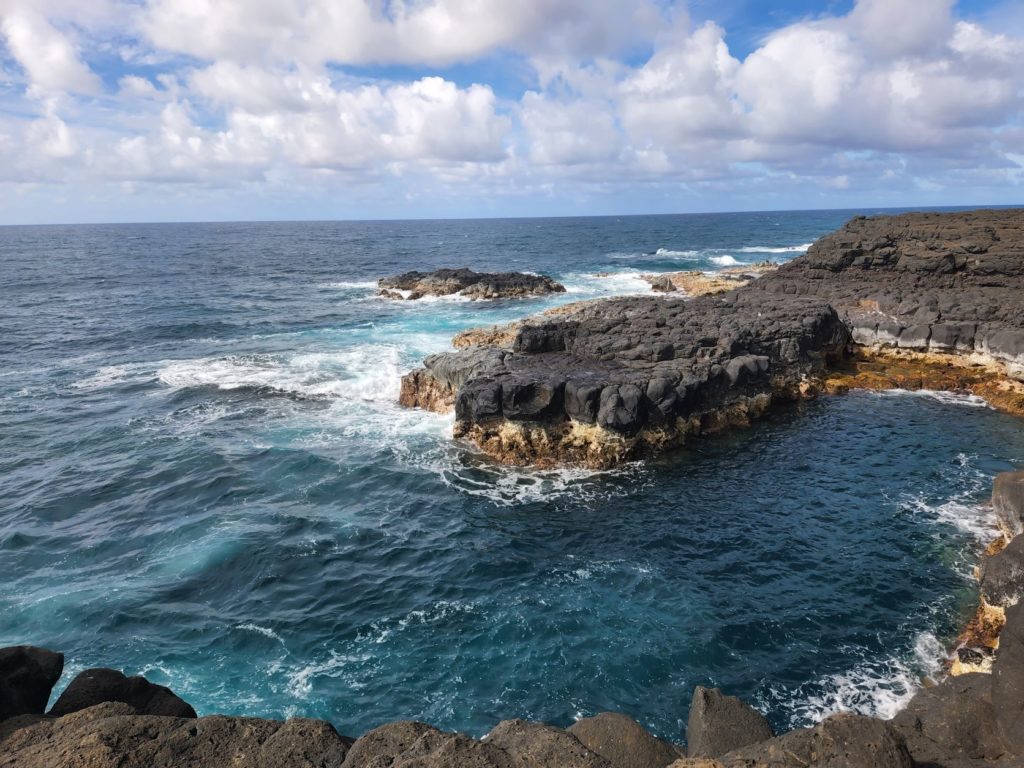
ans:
(466, 282)
(27, 675)
(625, 376)
(94, 686)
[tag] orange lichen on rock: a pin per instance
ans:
(882, 369)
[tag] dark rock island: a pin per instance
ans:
(467, 283)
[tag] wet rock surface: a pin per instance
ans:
(466, 282)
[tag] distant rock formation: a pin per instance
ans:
(467, 283)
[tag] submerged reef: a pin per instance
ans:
(617, 379)
(466, 283)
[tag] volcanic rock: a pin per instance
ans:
(719, 724)
(624, 377)
(466, 282)
(623, 742)
(96, 686)
(840, 741)
(1008, 681)
(954, 720)
(27, 675)
(1002, 574)
(535, 745)
(408, 744)
(1008, 502)
(112, 734)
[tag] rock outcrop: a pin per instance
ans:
(623, 742)
(466, 282)
(696, 283)
(953, 721)
(1008, 502)
(624, 377)
(27, 675)
(938, 282)
(841, 741)
(113, 735)
(719, 724)
(95, 686)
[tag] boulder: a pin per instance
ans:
(623, 742)
(952, 720)
(719, 724)
(841, 741)
(1002, 574)
(111, 734)
(1008, 681)
(1008, 502)
(96, 686)
(535, 745)
(27, 675)
(408, 744)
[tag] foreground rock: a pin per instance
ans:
(113, 735)
(952, 722)
(27, 675)
(623, 742)
(466, 282)
(1008, 682)
(1008, 502)
(841, 741)
(95, 686)
(625, 377)
(719, 724)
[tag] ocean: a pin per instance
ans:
(205, 478)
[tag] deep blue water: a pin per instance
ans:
(204, 478)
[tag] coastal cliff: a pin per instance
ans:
(938, 293)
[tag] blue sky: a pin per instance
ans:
(132, 110)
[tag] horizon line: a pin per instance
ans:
(904, 208)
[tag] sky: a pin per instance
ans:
(185, 110)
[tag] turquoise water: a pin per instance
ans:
(204, 478)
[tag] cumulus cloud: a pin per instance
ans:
(48, 56)
(600, 94)
(397, 32)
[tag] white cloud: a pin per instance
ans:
(49, 58)
(372, 32)
(890, 96)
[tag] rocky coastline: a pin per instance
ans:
(927, 299)
(917, 301)
(104, 719)
(410, 286)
